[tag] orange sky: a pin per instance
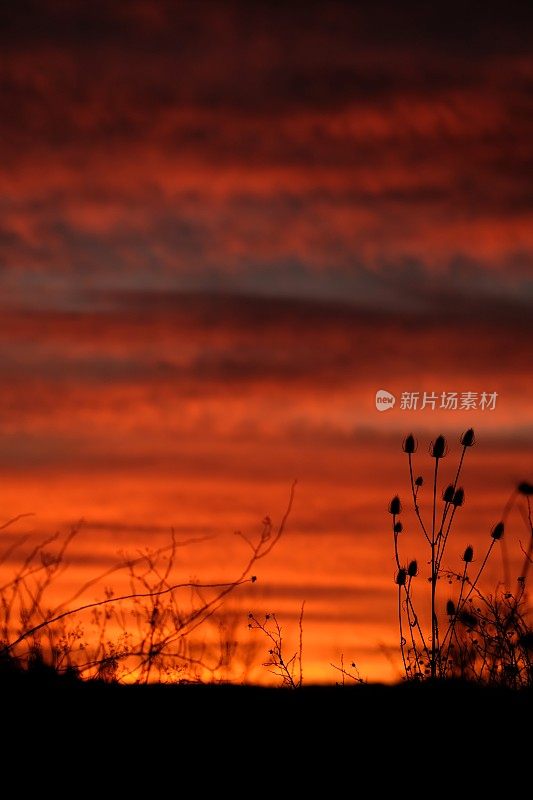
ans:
(221, 233)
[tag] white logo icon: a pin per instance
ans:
(384, 400)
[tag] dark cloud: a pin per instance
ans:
(323, 149)
(155, 347)
(433, 302)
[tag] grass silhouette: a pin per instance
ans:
(140, 636)
(288, 669)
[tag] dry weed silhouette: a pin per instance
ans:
(146, 634)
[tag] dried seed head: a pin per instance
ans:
(467, 619)
(450, 608)
(438, 447)
(458, 497)
(448, 493)
(412, 569)
(468, 554)
(525, 488)
(498, 531)
(419, 481)
(395, 506)
(401, 576)
(398, 527)
(468, 438)
(409, 444)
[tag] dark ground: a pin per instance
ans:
(356, 741)
(398, 706)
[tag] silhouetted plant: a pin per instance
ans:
(288, 669)
(350, 675)
(488, 636)
(145, 634)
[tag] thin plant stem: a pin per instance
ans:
(529, 552)
(415, 501)
(442, 547)
(300, 645)
(451, 628)
(459, 468)
(434, 578)
(412, 626)
(402, 639)
(482, 567)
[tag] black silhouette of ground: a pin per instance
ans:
(318, 741)
(400, 704)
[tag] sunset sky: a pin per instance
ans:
(224, 226)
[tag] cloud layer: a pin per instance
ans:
(320, 150)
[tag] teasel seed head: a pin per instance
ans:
(468, 438)
(412, 569)
(498, 531)
(448, 493)
(468, 554)
(467, 619)
(401, 576)
(409, 444)
(398, 527)
(450, 608)
(395, 506)
(458, 497)
(438, 447)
